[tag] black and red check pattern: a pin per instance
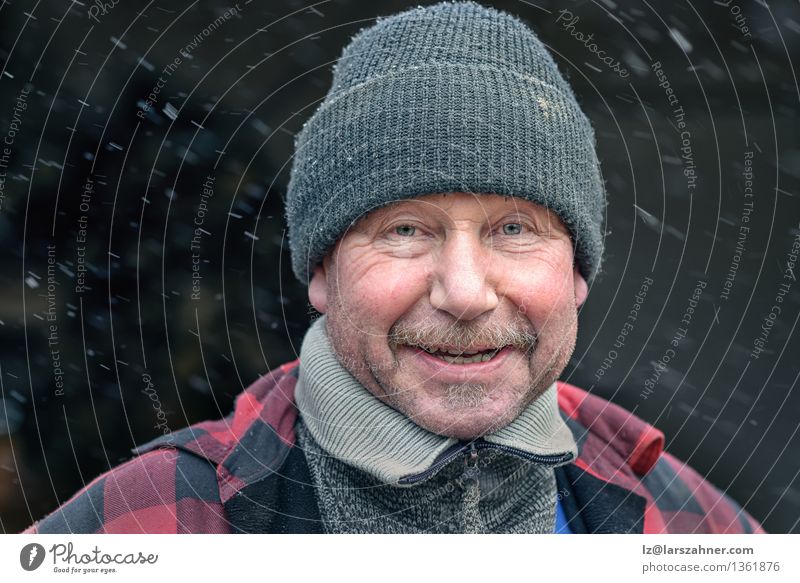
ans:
(242, 474)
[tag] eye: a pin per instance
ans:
(512, 229)
(405, 230)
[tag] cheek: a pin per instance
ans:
(378, 295)
(544, 296)
(546, 310)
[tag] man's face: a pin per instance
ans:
(412, 285)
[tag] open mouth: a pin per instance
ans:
(455, 356)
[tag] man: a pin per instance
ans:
(445, 208)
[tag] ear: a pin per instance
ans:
(318, 289)
(581, 289)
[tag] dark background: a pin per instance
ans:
(231, 110)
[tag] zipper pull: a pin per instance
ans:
(471, 470)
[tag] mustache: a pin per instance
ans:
(430, 334)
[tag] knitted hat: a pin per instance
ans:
(453, 97)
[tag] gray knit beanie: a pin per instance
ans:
(453, 97)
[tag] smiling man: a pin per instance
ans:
(445, 209)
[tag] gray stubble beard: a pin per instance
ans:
(465, 396)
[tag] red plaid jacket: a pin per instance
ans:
(242, 474)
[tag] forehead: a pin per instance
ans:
(457, 205)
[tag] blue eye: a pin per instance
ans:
(405, 230)
(512, 229)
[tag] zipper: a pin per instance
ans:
(447, 457)
(534, 457)
(471, 449)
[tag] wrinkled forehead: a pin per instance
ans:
(454, 205)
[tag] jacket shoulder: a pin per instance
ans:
(618, 447)
(163, 491)
(179, 482)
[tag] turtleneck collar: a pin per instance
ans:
(351, 424)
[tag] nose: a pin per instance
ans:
(463, 280)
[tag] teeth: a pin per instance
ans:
(456, 357)
(453, 352)
(476, 357)
(461, 359)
